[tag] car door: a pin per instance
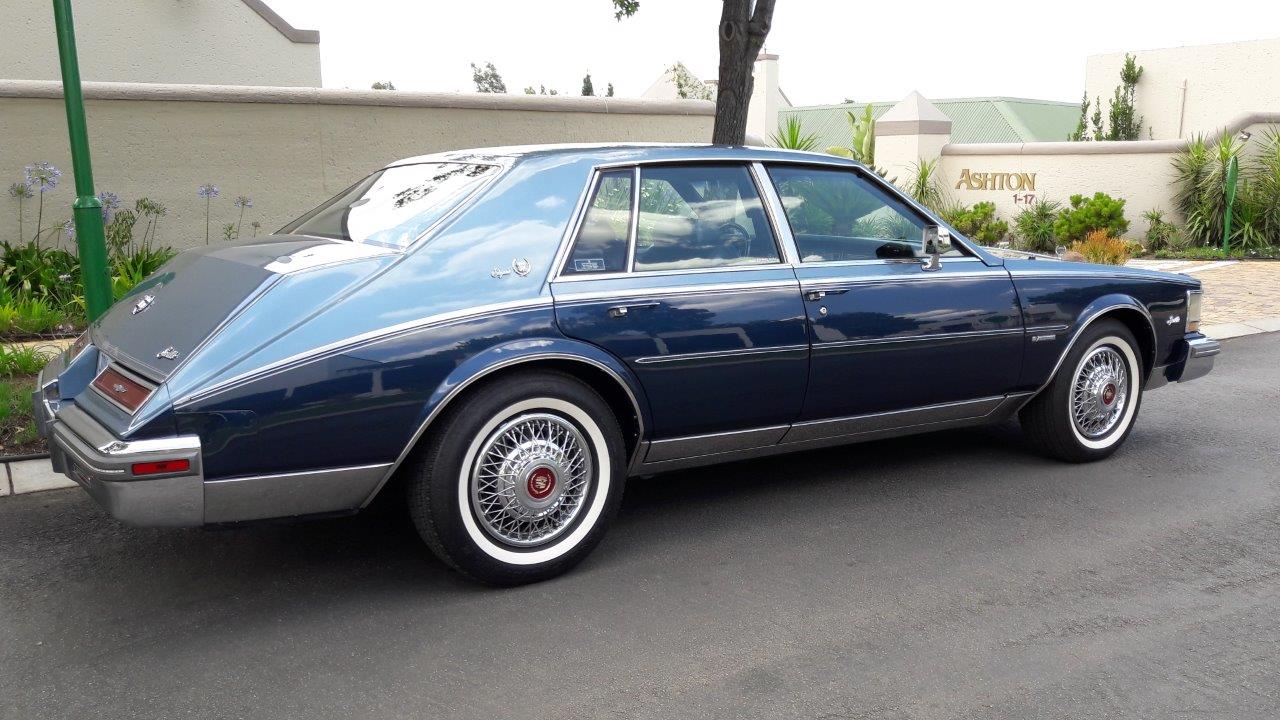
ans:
(888, 335)
(677, 270)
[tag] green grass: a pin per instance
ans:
(17, 424)
(21, 360)
(1215, 253)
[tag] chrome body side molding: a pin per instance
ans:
(311, 492)
(688, 452)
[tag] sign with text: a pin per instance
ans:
(996, 181)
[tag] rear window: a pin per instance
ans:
(394, 206)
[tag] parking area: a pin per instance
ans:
(940, 576)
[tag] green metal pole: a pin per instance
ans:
(87, 210)
(1233, 171)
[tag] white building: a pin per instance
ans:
(201, 42)
(1196, 89)
(767, 97)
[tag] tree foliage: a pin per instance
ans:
(588, 89)
(744, 25)
(487, 79)
(388, 85)
(1123, 123)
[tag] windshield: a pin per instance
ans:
(393, 206)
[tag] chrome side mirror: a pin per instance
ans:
(931, 247)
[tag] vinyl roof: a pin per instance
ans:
(974, 120)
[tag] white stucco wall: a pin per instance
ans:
(288, 148)
(1140, 172)
(1222, 81)
(214, 42)
(766, 98)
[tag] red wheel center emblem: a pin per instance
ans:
(1108, 394)
(541, 482)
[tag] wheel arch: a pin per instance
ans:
(1123, 308)
(598, 369)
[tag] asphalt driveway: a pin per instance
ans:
(942, 576)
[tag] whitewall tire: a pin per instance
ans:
(1090, 406)
(518, 480)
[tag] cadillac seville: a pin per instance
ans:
(506, 335)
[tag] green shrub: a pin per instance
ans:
(978, 223)
(37, 316)
(1161, 234)
(1100, 212)
(1035, 226)
(21, 360)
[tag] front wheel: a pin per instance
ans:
(518, 481)
(1088, 409)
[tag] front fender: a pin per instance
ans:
(1042, 373)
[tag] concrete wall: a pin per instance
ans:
(1222, 81)
(214, 42)
(288, 148)
(1140, 172)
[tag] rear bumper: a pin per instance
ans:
(1197, 357)
(86, 452)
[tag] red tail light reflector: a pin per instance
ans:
(157, 467)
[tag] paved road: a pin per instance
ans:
(951, 576)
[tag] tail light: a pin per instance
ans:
(122, 388)
(1193, 310)
(157, 467)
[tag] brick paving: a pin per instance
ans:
(1241, 292)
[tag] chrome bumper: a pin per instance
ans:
(1196, 362)
(102, 464)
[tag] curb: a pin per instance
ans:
(28, 476)
(1224, 331)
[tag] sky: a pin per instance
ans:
(829, 50)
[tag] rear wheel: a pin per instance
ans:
(1089, 408)
(519, 480)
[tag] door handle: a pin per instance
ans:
(618, 311)
(816, 295)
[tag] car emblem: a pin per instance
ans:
(498, 273)
(1173, 320)
(521, 266)
(169, 353)
(143, 304)
(119, 388)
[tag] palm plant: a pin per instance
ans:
(923, 186)
(791, 136)
(1035, 226)
(1265, 172)
(863, 132)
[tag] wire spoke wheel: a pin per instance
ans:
(531, 479)
(1100, 392)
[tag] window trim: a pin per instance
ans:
(887, 188)
(782, 246)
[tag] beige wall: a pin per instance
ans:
(214, 42)
(288, 148)
(1140, 172)
(1222, 81)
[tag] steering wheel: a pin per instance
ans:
(734, 238)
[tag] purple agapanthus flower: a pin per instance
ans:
(69, 229)
(19, 191)
(243, 201)
(110, 203)
(42, 175)
(207, 191)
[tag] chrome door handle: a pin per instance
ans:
(623, 310)
(816, 295)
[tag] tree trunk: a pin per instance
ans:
(742, 34)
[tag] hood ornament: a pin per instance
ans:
(143, 304)
(169, 353)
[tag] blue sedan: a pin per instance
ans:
(505, 335)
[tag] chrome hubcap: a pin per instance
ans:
(1100, 392)
(531, 478)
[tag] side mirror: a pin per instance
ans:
(931, 246)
